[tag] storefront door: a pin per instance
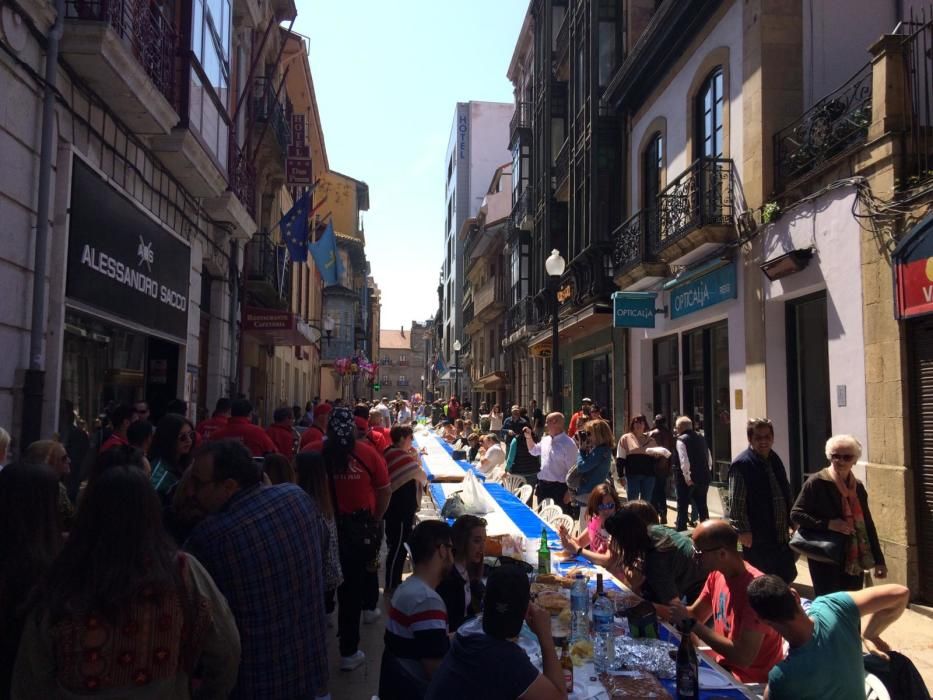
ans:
(596, 382)
(706, 391)
(666, 380)
(808, 403)
(921, 409)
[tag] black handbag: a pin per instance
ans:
(827, 546)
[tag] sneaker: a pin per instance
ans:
(349, 663)
(371, 616)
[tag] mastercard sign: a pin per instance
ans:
(913, 269)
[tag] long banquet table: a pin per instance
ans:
(512, 517)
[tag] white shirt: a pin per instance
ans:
(495, 422)
(404, 416)
(558, 454)
(494, 456)
(386, 414)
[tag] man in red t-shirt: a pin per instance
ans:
(282, 432)
(120, 418)
(240, 429)
(207, 427)
(580, 417)
(318, 429)
(741, 642)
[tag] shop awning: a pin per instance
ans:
(278, 327)
(587, 320)
(493, 380)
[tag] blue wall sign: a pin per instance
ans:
(710, 289)
(633, 309)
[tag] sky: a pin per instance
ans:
(387, 76)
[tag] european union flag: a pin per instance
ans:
(324, 252)
(294, 228)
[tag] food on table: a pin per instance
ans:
(581, 651)
(563, 581)
(538, 587)
(553, 601)
(634, 684)
(564, 617)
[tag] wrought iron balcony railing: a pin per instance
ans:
(243, 178)
(268, 108)
(562, 164)
(830, 128)
(562, 41)
(521, 118)
(700, 196)
(142, 25)
(522, 314)
(268, 265)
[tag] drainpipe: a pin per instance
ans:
(34, 381)
(236, 346)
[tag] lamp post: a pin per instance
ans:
(422, 388)
(457, 347)
(554, 266)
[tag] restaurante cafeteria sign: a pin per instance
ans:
(707, 290)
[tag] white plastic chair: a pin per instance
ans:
(544, 503)
(565, 520)
(513, 481)
(548, 513)
(524, 493)
(874, 688)
(495, 476)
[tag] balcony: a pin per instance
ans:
(521, 319)
(269, 120)
(243, 179)
(489, 299)
(125, 51)
(268, 272)
(468, 313)
(521, 119)
(695, 211)
(634, 266)
(831, 129)
(562, 173)
(523, 211)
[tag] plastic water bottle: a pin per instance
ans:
(579, 610)
(604, 651)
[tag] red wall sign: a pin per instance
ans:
(915, 287)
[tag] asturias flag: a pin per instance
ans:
(294, 228)
(324, 252)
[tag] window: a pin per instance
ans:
(709, 107)
(520, 249)
(521, 169)
(210, 74)
(402, 380)
(386, 360)
(403, 360)
(386, 380)
(652, 167)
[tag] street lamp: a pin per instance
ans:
(554, 266)
(457, 347)
(422, 388)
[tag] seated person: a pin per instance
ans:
(461, 430)
(654, 561)
(825, 660)
(487, 663)
(448, 432)
(472, 446)
(494, 455)
(740, 641)
(416, 627)
(593, 542)
(462, 588)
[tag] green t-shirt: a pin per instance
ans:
(829, 666)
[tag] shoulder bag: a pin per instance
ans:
(827, 546)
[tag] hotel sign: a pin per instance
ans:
(298, 163)
(123, 262)
(707, 290)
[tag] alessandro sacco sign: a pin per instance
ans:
(121, 261)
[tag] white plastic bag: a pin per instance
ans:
(476, 499)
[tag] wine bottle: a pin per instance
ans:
(688, 670)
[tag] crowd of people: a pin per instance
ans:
(213, 560)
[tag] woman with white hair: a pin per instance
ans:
(833, 500)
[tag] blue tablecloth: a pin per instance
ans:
(463, 464)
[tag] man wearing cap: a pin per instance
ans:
(316, 431)
(582, 415)
(416, 629)
(485, 661)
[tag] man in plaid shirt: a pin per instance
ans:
(264, 547)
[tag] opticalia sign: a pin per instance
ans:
(707, 290)
(633, 309)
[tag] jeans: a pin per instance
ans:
(687, 495)
(659, 497)
(350, 596)
(397, 533)
(639, 487)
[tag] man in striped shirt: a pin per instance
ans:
(416, 631)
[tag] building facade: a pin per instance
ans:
(401, 361)
(478, 145)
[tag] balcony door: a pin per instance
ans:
(709, 111)
(652, 166)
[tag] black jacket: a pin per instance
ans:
(697, 453)
(759, 514)
(452, 591)
(820, 501)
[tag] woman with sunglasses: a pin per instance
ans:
(171, 452)
(834, 500)
(593, 543)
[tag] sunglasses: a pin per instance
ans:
(836, 457)
(700, 552)
(606, 506)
